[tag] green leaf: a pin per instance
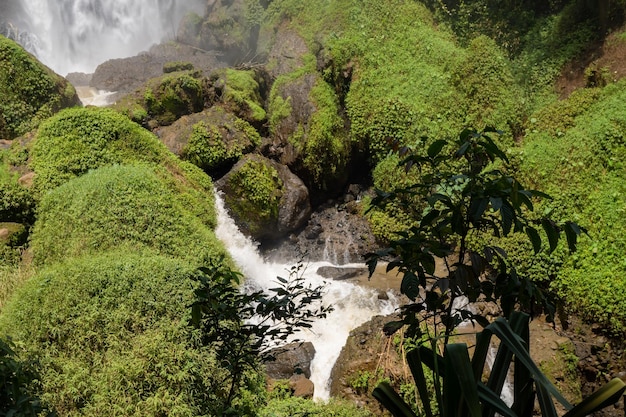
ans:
(435, 148)
(390, 399)
(414, 360)
(459, 367)
(608, 395)
(535, 239)
(552, 232)
(410, 285)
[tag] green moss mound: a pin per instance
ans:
(293, 406)
(241, 93)
(119, 206)
(110, 334)
(77, 140)
(30, 91)
(219, 141)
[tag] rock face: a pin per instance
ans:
(336, 232)
(127, 74)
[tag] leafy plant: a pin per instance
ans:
(461, 392)
(468, 192)
(16, 380)
(245, 326)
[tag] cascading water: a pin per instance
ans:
(77, 35)
(353, 305)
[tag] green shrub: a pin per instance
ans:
(30, 91)
(118, 206)
(16, 203)
(110, 333)
(294, 406)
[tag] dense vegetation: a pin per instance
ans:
(99, 251)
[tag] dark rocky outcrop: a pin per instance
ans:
(289, 360)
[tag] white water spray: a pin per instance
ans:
(77, 35)
(353, 305)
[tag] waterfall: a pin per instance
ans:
(77, 35)
(353, 305)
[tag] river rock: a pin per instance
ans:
(265, 217)
(301, 386)
(340, 273)
(287, 52)
(289, 360)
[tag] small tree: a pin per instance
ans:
(245, 327)
(469, 193)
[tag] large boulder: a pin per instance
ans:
(289, 360)
(30, 91)
(265, 198)
(308, 133)
(213, 139)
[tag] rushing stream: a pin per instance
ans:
(77, 35)
(353, 305)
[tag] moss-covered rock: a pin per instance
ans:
(306, 124)
(30, 91)
(265, 198)
(213, 139)
(120, 206)
(240, 92)
(173, 95)
(111, 337)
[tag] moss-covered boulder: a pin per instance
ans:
(213, 139)
(308, 131)
(30, 91)
(111, 337)
(120, 206)
(265, 198)
(241, 91)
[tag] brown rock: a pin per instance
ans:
(301, 386)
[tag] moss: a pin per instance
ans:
(17, 203)
(220, 141)
(110, 335)
(240, 92)
(175, 66)
(119, 206)
(556, 118)
(255, 193)
(30, 91)
(169, 97)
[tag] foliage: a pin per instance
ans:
(474, 196)
(245, 326)
(294, 407)
(77, 140)
(260, 186)
(119, 206)
(30, 91)
(583, 170)
(460, 390)
(16, 203)
(16, 382)
(111, 337)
